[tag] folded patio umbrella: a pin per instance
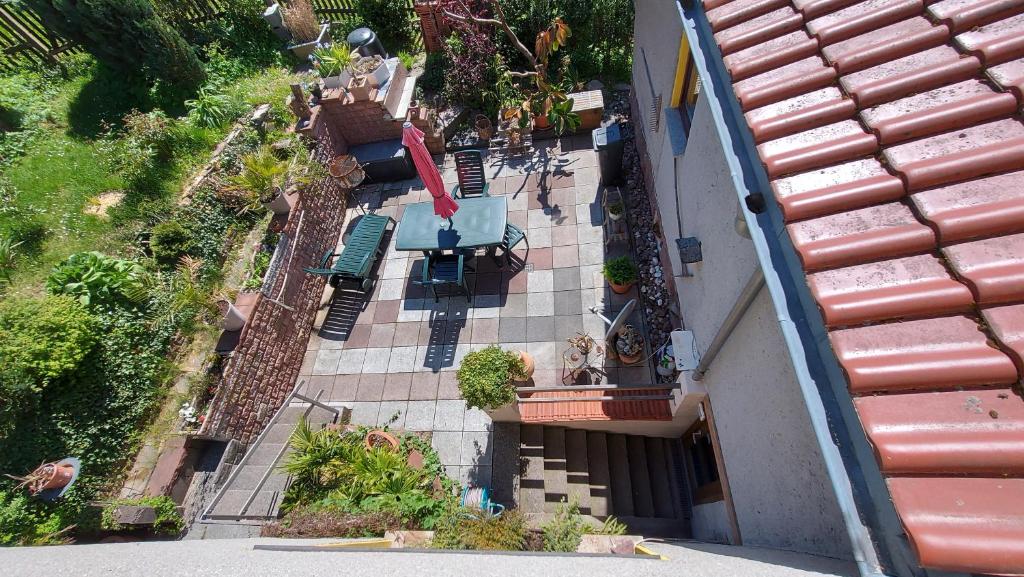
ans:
(444, 205)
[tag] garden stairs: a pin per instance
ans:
(640, 480)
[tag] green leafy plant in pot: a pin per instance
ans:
(333, 64)
(265, 178)
(486, 377)
(620, 272)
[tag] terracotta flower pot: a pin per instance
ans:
(632, 359)
(527, 359)
(52, 476)
(621, 288)
(380, 438)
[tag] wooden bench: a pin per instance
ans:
(361, 252)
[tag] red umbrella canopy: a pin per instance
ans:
(412, 137)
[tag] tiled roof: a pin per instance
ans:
(891, 132)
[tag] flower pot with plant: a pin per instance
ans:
(616, 210)
(307, 33)
(231, 318)
(265, 178)
(620, 272)
(45, 477)
(372, 68)
(486, 377)
(629, 345)
(330, 62)
(359, 88)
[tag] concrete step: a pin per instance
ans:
(658, 472)
(618, 468)
(556, 482)
(531, 480)
(598, 476)
(639, 477)
(505, 466)
(576, 468)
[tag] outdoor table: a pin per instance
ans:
(479, 223)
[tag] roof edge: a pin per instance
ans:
(859, 487)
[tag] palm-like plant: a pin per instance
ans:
(263, 177)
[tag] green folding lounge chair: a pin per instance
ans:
(361, 252)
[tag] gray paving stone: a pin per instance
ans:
(449, 415)
(514, 306)
(540, 281)
(476, 420)
(392, 414)
(566, 279)
(420, 415)
(376, 360)
(476, 448)
(511, 329)
(569, 326)
(364, 413)
(326, 362)
(351, 361)
(540, 329)
(479, 475)
(402, 359)
(448, 445)
(540, 304)
(567, 303)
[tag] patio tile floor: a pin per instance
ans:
(395, 351)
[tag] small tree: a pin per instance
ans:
(125, 34)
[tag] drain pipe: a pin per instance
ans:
(739, 308)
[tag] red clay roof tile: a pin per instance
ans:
(961, 15)
(903, 288)
(960, 154)
(995, 43)
(885, 44)
(975, 208)
(816, 8)
(784, 82)
(963, 524)
(838, 142)
(770, 54)
(993, 268)
(738, 11)
(1007, 325)
(860, 18)
(927, 354)
(1010, 76)
(976, 151)
(760, 29)
(948, 108)
(874, 233)
(836, 188)
(953, 431)
(800, 113)
(909, 75)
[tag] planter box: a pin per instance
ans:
(359, 88)
(303, 51)
(331, 82)
(589, 106)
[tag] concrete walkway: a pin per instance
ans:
(224, 558)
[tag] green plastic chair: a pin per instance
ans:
(469, 165)
(513, 236)
(444, 270)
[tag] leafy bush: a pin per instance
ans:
(391, 21)
(24, 521)
(407, 59)
(256, 270)
(24, 106)
(100, 281)
(125, 34)
(41, 340)
(620, 270)
(145, 149)
(169, 241)
(565, 530)
(469, 55)
(210, 108)
(485, 377)
(434, 71)
(168, 521)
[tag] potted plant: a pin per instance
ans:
(231, 319)
(620, 272)
(331, 63)
(265, 178)
(307, 34)
(616, 210)
(359, 87)
(629, 345)
(486, 377)
(46, 476)
(372, 67)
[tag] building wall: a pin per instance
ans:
(778, 481)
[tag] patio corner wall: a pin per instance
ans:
(265, 365)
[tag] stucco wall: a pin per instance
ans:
(779, 485)
(710, 522)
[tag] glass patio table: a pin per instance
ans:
(479, 223)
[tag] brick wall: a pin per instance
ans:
(359, 121)
(265, 365)
(433, 24)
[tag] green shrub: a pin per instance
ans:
(485, 377)
(127, 35)
(620, 270)
(25, 521)
(99, 281)
(433, 75)
(168, 521)
(41, 340)
(391, 21)
(169, 241)
(565, 530)
(210, 108)
(408, 59)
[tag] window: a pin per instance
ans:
(702, 464)
(687, 85)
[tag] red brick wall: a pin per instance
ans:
(266, 363)
(360, 122)
(434, 26)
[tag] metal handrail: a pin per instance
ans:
(601, 399)
(555, 389)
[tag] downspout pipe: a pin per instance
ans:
(863, 549)
(739, 308)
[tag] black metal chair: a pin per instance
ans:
(469, 165)
(444, 270)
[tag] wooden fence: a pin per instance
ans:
(25, 41)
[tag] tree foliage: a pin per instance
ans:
(125, 34)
